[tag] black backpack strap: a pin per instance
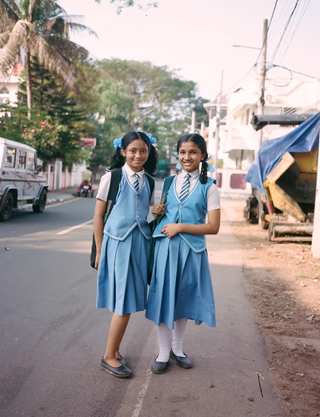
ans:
(151, 183)
(166, 185)
(113, 191)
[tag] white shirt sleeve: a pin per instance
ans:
(213, 198)
(104, 187)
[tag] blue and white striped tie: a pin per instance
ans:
(136, 182)
(185, 188)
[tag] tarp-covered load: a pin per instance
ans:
(304, 138)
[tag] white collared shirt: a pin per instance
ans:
(104, 185)
(213, 198)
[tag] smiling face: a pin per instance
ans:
(190, 156)
(136, 154)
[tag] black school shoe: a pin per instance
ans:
(120, 372)
(159, 367)
(183, 362)
(122, 361)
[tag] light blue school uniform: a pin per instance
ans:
(122, 273)
(181, 284)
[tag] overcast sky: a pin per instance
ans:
(196, 36)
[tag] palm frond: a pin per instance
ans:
(9, 10)
(49, 57)
(25, 34)
(62, 25)
(11, 51)
(4, 37)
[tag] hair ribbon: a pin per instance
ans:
(117, 143)
(152, 140)
(210, 167)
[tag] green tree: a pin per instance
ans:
(122, 4)
(48, 136)
(139, 95)
(42, 27)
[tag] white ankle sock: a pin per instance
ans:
(164, 343)
(178, 336)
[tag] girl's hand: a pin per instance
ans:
(158, 210)
(96, 265)
(171, 229)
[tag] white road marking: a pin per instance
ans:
(63, 232)
(141, 394)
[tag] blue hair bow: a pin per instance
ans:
(210, 167)
(178, 166)
(117, 143)
(152, 140)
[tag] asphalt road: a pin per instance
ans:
(53, 337)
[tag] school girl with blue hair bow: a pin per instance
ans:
(123, 242)
(181, 287)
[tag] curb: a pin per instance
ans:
(52, 201)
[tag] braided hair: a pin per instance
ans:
(201, 143)
(118, 160)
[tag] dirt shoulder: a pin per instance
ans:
(283, 283)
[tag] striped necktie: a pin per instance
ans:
(185, 188)
(136, 182)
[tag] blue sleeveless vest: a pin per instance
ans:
(192, 210)
(130, 210)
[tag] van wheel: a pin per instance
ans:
(7, 208)
(39, 207)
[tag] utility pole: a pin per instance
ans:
(218, 117)
(263, 74)
(316, 220)
(193, 122)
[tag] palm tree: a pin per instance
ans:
(38, 28)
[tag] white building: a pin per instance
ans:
(9, 85)
(239, 142)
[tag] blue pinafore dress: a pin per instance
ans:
(181, 284)
(122, 273)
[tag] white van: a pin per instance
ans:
(20, 180)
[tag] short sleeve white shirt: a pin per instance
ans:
(213, 197)
(104, 185)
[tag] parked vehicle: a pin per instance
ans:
(21, 181)
(284, 180)
(85, 189)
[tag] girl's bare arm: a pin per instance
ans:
(98, 227)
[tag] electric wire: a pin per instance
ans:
(296, 28)
(264, 41)
(284, 31)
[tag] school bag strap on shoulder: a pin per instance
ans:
(112, 194)
(166, 185)
(151, 183)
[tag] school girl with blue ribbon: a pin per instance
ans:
(123, 242)
(181, 287)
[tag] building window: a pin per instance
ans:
(4, 90)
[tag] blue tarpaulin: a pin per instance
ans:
(304, 138)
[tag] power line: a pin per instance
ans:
(295, 72)
(296, 28)
(264, 41)
(284, 31)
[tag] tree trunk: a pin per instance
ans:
(29, 89)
